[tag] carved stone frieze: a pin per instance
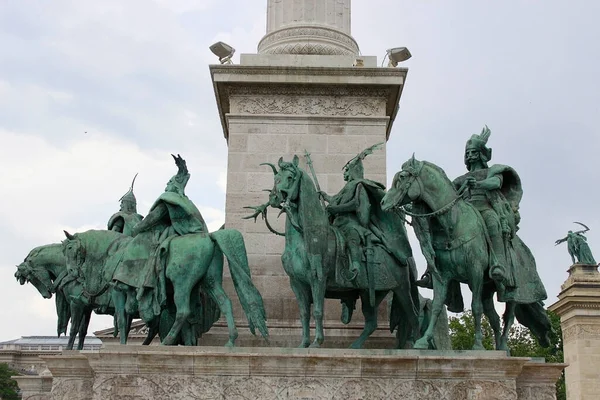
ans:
(71, 388)
(581, 332)
(279, 388)
(315, 105)
(536, 393)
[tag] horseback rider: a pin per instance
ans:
(357, 213)
(142, 265)
(127, 217)
(495, 192)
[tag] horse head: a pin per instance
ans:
(406, 187)
(37, 275)
(287, 181)
(74, 253)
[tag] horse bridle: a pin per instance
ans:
(31, 271)
(413, 175)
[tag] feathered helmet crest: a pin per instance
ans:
(129, 197)
(478, 142)
(182, 177)
(355, 165)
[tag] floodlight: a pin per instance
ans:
(223, 51)
(397, 55)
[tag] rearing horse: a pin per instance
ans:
(314, 258)
(462, 251)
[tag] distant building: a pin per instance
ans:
(23, 354)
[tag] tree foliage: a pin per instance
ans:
(520, 342)
(8, 387)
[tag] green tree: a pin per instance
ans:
(520, 342)
(8, 387)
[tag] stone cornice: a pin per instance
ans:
(302, 80)
(304, 70)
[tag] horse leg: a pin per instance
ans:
(303, 294)
(76, 317)
(440, 291)
(119, 299)
(83, 328)
(218, 294)
(490, 312)
(152, 331)
(181, 297)
(318, 291)
(370, 314)
(476, 286)
(509, 319)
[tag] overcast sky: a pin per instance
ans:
(92, 92)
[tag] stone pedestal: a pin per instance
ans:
(579, 310)
(35, 387)
(143, 372)
(272, 111)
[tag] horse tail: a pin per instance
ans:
(231, 243)
(534, 317)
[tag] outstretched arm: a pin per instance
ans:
(559, 241)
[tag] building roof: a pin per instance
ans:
(49, 340)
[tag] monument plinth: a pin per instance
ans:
(301, 92)
(579, 310)
(143, 372)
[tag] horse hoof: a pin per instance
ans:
(304, 345)
(421, 344)
(478, 347)
(314, 345)
(230, 344)
(356, 345)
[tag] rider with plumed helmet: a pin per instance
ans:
(127, 217)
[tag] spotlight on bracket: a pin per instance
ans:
(223, 51)
(397, 55)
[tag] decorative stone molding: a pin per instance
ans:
(308, 40)
(269, 90)
(317, 105)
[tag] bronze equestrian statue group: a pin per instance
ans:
(167, 268)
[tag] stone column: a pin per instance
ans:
(579, 310)
(308, 27)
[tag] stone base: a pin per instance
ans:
(158, 372)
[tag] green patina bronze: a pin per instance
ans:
(577, 245)
(127, 217)
(467, 229)
(76, 289)
(171, 244)
(349, 249)
(45, 268)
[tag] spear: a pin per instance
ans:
(314, 175)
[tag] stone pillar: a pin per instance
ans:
(579, 310)
(308, 27)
